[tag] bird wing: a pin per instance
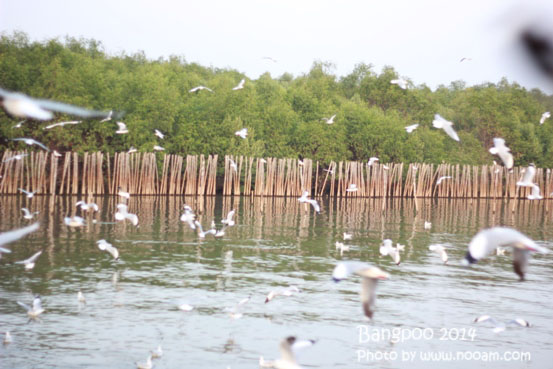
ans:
(35, 142)
(26, 211)
(315, 205)
(70, 109)
(121, 125)
(37, 304)
(448, 128)
(32, 258)
(535, 190)
(24, 306)
(11, 236)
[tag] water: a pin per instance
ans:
(132, 304)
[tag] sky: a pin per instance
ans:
(424, 40)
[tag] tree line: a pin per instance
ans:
(283, 114)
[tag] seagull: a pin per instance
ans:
(27, 193)
(106, 246)
(19, 124)
(185, 307)
(305, 199)
(122, 128)
(7, 338)
(28, 214)
(411, 128)
(503, 152)
(57, 154)
(61, 124)
(427, 225)
(446, 125)
(23, 106)
(86, 207)
(235, 312)
(352, 187)
(218, 233)
(528, 179)
(440, 250)
(228, 221)
(400, 82)
(370, 275)
(240, 85)
(80, 298)
(263, 161)
(159, 134)
(282, 292)
(188, 217)
(500, 326)
(535, 195)
(329, 120)
(347, 236)
(199, 88)
(372, 160)
(487, 240)
(242, 133)
(146, 365)
(158, 148)
(157, 353)
(201, 232)
(122, 193)
(288, 347)
(545, 116)
(233, 165)
(441, 179)
(30, 142)
(30, 262)
(35, 309)
(132, 150)
(340, 246)
(108, 118)
(388, 249)
(74, 221)
(15, 157)
(122, 214)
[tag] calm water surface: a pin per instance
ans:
(132, 304)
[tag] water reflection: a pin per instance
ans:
(277, 242)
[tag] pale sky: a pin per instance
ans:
(422, 39)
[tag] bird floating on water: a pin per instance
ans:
(16, 234)
(503, 152)
(486, 241)
(74, 221)
(28, 214)
(80, 298)
(61, 124)
(340, 246)
(347, 236)
(145, 365)
(305, 199)
(387, 248)
(427, 225)
(370, 277)
(441, 123)
(411, 128)
(27, 193)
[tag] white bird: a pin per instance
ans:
(123, 194)
(199, 88)
(74, 221)
(242, 133)
(188, 217)
(185, 307)
(228, 221)
(30, 262)
(240, 85)
(352, 187)
(23, 106)
(35, 309)
(329, 120)
(427, 225)
(411, 128)
(486, 241)
(106, 246)
(61, 124)
(27, 193)
(500, 251)
(15, 157)
(263, 161)
(300, 163)
(288, 348)
(201, 232)
(347, 236)
(157, 353)
(108, 118)
(218, 233)
(158, 148)
(30, 142)
(387, 248)
(19, 124)
(28, 214)
(132, 150)
(282, 292)
(372, 160)
(441, 179)
(145, 365)
(7, 338)
(501, 326)
(57, 154)
(400, 82)
(503, 152)
(370, 274)
(122, 128)
(305, 199)
(440, 250)
(236, 311)
(233, 165)
(80, 298)
(340, 246)
(159, 134)
(123, 214)
(446, 125)
(535, 195)
(5, 251)
(87, 207)
(528, 178)
(545, 116)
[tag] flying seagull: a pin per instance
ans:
(158, 148)
(440, 250)
(228, 220)
(329, 120)
(535, 195)
(61, 124)
(22, 106)
(288, 348)
(19, 124)
(242, 133)
(441, 179)
(411, 128)
(123, 214)
(28, 214)
(16, 234)
(447, 126)
(528, 178)
(201, 232)
(145, 365)
(15, 157)
(106, 246)
(122, 128)
(305, 199)
(501, 326)
(35, 309)
(400, 82)
(282, 292)
(199, 88)
(503, 152)
(370, 274)
(240, 85)
(30, 142)
(30, 262)
(27, 193)
(372, 160)
(159, 134)
(74, 221)
(545, 116)
(486, 241)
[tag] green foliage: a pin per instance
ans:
(283, 115)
